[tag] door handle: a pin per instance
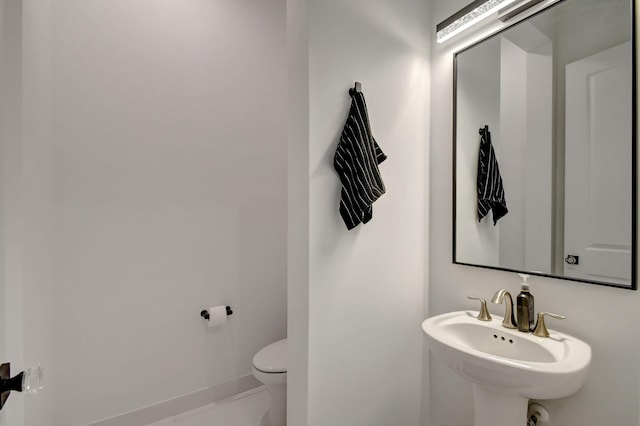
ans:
(8, 383)
(572, 259)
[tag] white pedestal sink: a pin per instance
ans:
(507, 367)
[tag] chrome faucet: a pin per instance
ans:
(509, 320)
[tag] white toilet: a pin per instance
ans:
(270, 367)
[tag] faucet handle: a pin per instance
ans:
(541, 327)
(484, 314)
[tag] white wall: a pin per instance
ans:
(600, 315)
(539, 160)
(510, 146)
(493, 79)
(526, 127)
(298, 211)
(479, 81)
(4, 95)
(26, 193)
(366, 285)
(149, 183)
(364, 288)
(3, 297)
(11, 131)
(35, 215)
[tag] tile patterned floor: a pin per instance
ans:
(247, 409)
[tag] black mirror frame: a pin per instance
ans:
(634, 174)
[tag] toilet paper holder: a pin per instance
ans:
(205, 314)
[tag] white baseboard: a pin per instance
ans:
(162, 410)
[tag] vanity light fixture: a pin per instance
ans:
(507, 13)
(469, 15)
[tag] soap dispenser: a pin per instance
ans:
(524, 307)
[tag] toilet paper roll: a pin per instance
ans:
(217, 315)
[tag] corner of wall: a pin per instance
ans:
(298, 211)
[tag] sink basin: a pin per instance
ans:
(507, 367)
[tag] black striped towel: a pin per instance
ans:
(356, 161)
(490, 189)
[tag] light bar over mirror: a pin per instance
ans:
(477, 11)
(467, 16)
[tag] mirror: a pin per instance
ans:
(545, 130)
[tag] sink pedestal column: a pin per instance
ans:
(493, 408)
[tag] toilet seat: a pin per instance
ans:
(270, 368)
(272, 359)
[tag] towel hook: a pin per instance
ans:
(357, 88)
